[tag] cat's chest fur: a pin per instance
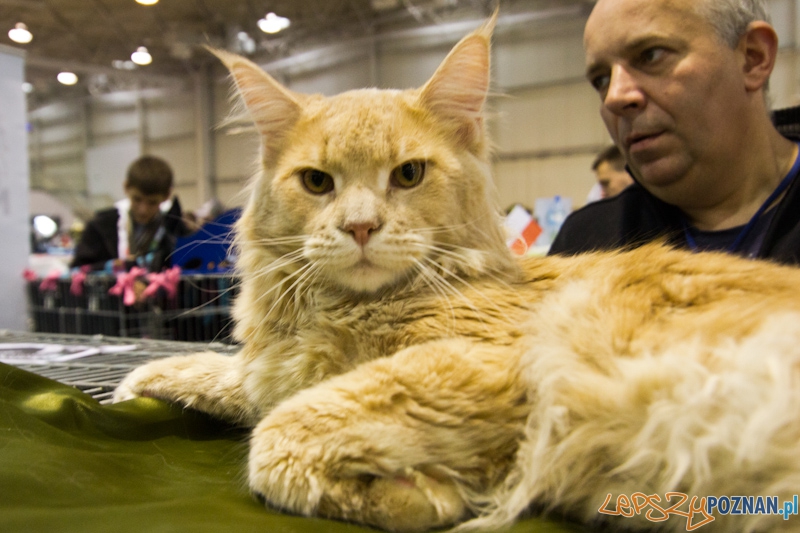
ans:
(329, 335)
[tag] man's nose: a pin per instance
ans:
(624, 93)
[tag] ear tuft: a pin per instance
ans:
(457, 90)
(274, 108)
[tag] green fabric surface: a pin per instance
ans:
(69, 464)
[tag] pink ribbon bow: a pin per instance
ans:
(125, 285)
(168, 280)
(50, 282)
(78, 279)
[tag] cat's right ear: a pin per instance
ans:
(274, 108)
(457, 91)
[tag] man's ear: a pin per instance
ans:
(759, 45)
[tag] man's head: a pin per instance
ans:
(147, 184)
(730, 18)
(682, 84)
(609, 167)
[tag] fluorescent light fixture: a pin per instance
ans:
(20, 34)
(141, 56)
(67, 78)
(147, 2)
(272, 23)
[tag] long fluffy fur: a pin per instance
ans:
(427, 377)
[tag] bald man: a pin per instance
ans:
(682, 85)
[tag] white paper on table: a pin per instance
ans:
(41, 353)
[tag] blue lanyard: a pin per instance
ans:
(784, 184)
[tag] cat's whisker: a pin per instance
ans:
(289, 239)
(431, 278)
(280, 263)
(479, 312)
(301, 274)
(465, 262)
(458, 258)
(474, 223)
(219, 295)
(279, 285)
(444, 283)
(312, 277)
(195, 243)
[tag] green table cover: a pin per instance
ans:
(69, 464)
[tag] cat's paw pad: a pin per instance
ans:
(414, 502)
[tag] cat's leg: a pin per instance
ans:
(206, 381)
(400, 442)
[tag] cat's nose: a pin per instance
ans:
(361, 231)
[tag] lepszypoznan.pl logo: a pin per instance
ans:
(697, 511)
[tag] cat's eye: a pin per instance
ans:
(408, 175)
(316, 182)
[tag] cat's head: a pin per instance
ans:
(371, 189)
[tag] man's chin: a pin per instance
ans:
(659, 175)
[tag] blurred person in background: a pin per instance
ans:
(140, 229)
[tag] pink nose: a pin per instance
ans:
(361, 231)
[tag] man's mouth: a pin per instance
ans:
(641, 140)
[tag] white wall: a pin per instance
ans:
(15, 234)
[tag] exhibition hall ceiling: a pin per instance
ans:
(95, 38)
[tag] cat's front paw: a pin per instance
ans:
(206, 381)
(150, 380)
(300, 466)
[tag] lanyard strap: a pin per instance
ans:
(782, 186)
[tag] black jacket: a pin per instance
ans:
(635, 217)
(100, 241)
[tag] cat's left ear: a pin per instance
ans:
(457, 90)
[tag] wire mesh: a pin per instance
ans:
(98, 375)
(199, 311)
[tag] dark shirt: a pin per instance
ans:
(99, 241)
(635, 217)
(723, 239)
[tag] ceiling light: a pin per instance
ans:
(20, 34)
(67, 78)
(244, 43)
(147, 2)
(272, 23)
(141, 56)
(119, 64)
(45, 226)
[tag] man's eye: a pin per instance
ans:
(600, 83)
(651, 55)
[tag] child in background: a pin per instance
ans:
(140, 229)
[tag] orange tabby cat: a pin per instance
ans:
(402, 370)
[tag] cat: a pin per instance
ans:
(401, 369)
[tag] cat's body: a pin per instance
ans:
(401, 369)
